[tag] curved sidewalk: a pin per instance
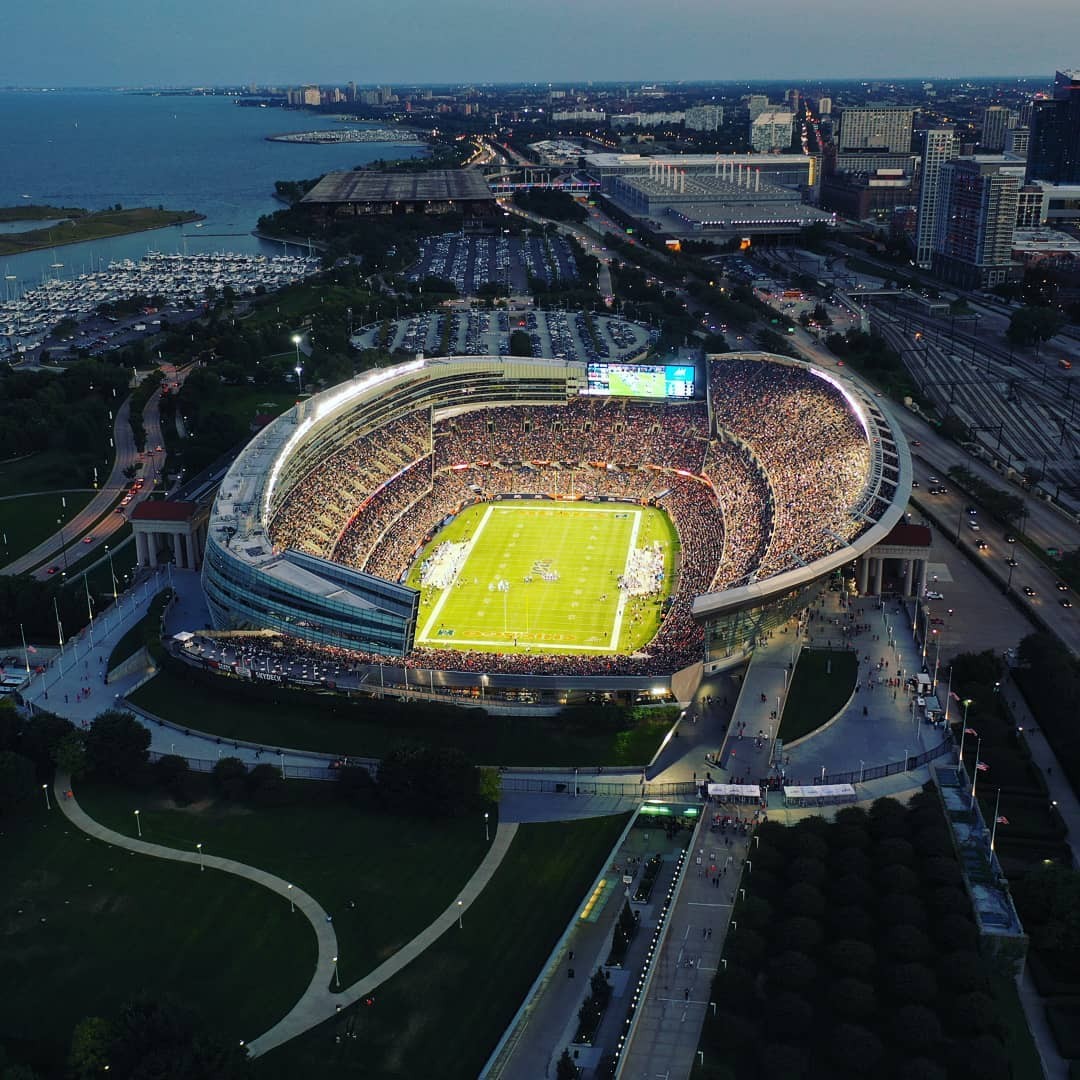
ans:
(318, 1002)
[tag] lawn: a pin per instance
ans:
(26, 521)
(247, 402)
(368, 728)
(86, 925)
(51, 470)
(824, 680)
(1019, 1042)
(443, 1015)
(383, 878)
(525, 577)
(96, 225)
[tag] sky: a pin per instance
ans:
(274, 42)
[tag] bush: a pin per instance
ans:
(17, 781)
(173, 774)
(229, 777)
(118, 746)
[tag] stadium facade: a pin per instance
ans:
(259, 575)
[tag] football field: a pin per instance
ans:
(544, 577)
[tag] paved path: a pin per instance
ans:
(320, 1000)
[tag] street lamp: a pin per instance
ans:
(337, 977)
(202, 866)
(292, 906)
(48, 805)
(138, 824)
(111, 573)
(299, 367)
(460, 907)
(487, 831)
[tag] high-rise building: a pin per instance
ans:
(1054, 151)
(1017, 141)
(976, 219)
(939, 147)
(704, 117)
(876, 127)
(824, 106)
(772, 130)
(757, 104)
(995, 122)
(311, 95)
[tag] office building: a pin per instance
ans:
(801, 171)
(876, 127)
(1054, 151)
(645, 119)
(1017, 142)
(860, 195)
(976, 219)
(824, 106)
(939, 147)
(772, 131)
(704, 117)
(312, 95)
(757, 104)
(579, 116)
(996, 120)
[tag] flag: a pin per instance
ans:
(982, 766)
(971, 731)
(1001, 819)
(954, 695)
(30, 648)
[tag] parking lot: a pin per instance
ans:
(508, 261)
(562, 334)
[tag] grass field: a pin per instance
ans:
(542, 577)
(86, 926)
(824, 680)
(26, 521)
(361, 728)
(443, 1014)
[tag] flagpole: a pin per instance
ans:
(993, 831)
(975, 774)
(948, 696)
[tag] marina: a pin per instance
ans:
(180, 281)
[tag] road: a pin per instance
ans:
(68, 542)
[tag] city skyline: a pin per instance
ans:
(62, 44)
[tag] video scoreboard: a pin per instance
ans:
(641, 380)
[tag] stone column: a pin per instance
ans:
(862, 569)
(152, 543)
(177, 556)
(922, 577)
(878, 569)
(909, 575)
(140, 548)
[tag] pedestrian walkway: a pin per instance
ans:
(320, 1001)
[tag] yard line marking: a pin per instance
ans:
(617, 627)
(437, 609)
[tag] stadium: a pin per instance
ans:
(538, 523)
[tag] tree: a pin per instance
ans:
(172, 772)
(17, 780)
(1034, 325)
(566, 1069)
(229, 777)
(117, 745)
(91, 1042)
(42, 736)
(520, 344)
(71, 756)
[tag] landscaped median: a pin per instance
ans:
(822, 685)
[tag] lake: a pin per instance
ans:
(96, 149)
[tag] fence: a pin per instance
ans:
(876, 772)
(288, 772)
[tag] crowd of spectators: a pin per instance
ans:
(811, 447)
(772, 487)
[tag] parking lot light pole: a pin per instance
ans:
(487, 830)
(138, 824)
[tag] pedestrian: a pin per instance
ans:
(686, 994)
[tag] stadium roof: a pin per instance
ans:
(439, 185)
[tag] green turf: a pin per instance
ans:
(26, 521)
(383, 878)
(501, 601)
(85, 926)
(330, 724)
(443, 1015)
(824, 680)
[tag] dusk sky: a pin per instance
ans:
(163, 42)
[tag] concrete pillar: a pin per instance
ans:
(152, 543)
(909, 575)
(878, 569)
(862, 569)
(140, 548)
(177, 557)
(922, 577)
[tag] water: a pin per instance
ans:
(96, 149)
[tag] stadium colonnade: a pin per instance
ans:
(784, 474)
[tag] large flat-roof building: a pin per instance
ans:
(876, 127)
(772, 130)
(786, 170)
(440, 191)
(704, 117)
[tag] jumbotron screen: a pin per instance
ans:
(641, 380)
